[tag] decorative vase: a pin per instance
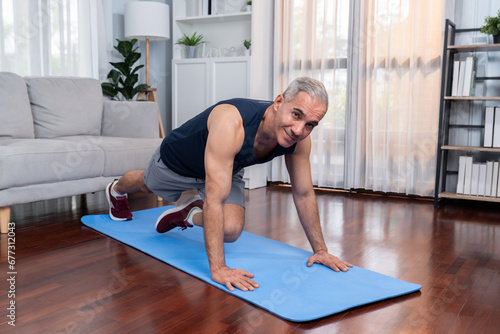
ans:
(496, 39)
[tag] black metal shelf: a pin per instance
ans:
(443, 147)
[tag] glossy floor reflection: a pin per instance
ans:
(72, 279)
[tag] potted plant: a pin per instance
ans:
(123, 78)
(492, 27)
(191, 43)
(247, 43)
(249, 6)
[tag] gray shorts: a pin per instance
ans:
(169, 185)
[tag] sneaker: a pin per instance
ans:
(179, 216)
(118, 206)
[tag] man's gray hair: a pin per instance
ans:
(313, 87)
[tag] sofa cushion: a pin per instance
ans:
(34, 161)
(65, 106)
(124, 154)
(16, 120)
(131, 119)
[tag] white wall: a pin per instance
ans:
(160, 55)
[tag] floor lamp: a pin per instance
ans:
(147, 21)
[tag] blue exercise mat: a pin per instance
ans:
(288, 288)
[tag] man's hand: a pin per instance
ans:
(328, 260)
(238, 278)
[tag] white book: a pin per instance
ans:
(468, 176)
(461, 174)
(461, 78)
(468, 76)
(205, 8)
(489, 118)
(489, 178)
(474, 187)
(481, 185)
(498, 183)
(496, 128)
(456, 75)
(494, 182)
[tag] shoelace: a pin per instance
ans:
(121, 203)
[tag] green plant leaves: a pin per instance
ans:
(191, 41)
(491, 25)
(123, 78)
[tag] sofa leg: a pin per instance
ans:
(83, 201)
(4, 219)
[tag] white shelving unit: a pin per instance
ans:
(223, 33)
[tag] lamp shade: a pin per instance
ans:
(147, 20)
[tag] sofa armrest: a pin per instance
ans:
(132, 119)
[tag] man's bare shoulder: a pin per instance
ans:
(226, 116)
(225, 128)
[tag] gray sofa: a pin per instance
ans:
(58, 137)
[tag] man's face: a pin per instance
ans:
(297, 118)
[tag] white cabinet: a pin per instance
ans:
(190, 94)
(201, 82)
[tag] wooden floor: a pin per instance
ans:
(71, 279)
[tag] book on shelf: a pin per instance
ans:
(461, 174)
(495, 180)
(206, 7)
(481, 183)
(461, 78)
(474, 187)
(496, 128)
(464, 77)
(468, 176)
(478, 179)
(455, 79)
(469, 76)
(489, 117)
(198, 8)
(489, 178)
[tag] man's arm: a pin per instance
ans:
(224, 141)
(299, 168)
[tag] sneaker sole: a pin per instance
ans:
(108, 195)
(176, 209)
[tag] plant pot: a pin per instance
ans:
(249, 8)
(247, 52)
(190, 51)
(496, 39)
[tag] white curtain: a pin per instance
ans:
(311, 40)
(381, 129)
(55, 37)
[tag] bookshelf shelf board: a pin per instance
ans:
(473, 98)
(469, 197)
(470, 148)
(470, 48)
(233, 17)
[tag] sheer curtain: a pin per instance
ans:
(380, 131)
(311, 40)
(55, 37)
(394, 100)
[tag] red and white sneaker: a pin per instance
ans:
(179, 216)
(118, 206)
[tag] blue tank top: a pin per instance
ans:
(183, 150)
